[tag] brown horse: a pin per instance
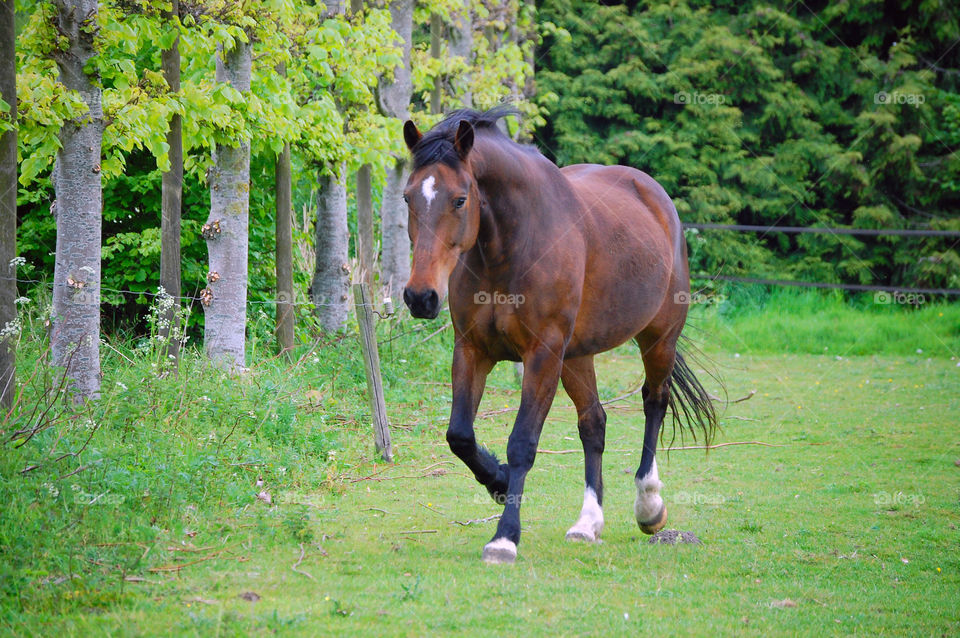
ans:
(548, 266)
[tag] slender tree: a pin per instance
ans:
(284, 241)
(8, 207)
(436, 40)
(75, 332)
(365, 241)
(394, 99)
(461, 46)
(331, 278)
(226, 231)
(172, 190)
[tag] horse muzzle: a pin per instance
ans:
(423, 304)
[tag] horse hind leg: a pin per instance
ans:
(580, 382)
(658, 356)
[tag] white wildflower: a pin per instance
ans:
(11, 328)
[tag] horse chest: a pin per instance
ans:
(493, 327)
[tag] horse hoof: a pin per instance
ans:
(579, 535)
(656, 524)
(500, 552)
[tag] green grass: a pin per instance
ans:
(852, 515)
(761, 319)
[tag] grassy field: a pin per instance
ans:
(845, 523)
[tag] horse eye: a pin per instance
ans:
(406, 199)
(459, 202)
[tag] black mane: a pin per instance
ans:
(436, 145)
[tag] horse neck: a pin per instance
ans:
(514, 186)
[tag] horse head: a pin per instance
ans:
(444, 211)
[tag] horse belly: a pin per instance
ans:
(607, 320)
(630, 275)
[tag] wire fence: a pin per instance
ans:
(282, 298)
(826, 231)
(292, 300)
(869, 232)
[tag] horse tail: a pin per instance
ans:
(691, 405)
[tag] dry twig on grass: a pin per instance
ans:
(297, 564)
(476, 521)
(417, 531)
(672, 449)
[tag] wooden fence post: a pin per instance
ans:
(371, 363)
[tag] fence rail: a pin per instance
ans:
(832, 231)
(828, 231)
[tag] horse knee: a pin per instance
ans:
(521, 453)
(461, 443)
(592, 424)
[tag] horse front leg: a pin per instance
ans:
(541, 375)
(470, 370)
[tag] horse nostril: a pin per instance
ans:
(431, 300)
(423, 305)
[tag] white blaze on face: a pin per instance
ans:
(648, 503)
(590, 523)
(428, 190)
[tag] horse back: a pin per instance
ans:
(611, 194)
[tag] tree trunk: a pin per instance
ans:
(75, 331)
(285, 296)
(529, 86)
(171, 197)
(395, 262)
(365, 242)
(331, 279)
(461, 46)
(8, 209)
(226, 231)
(394, 99)
(436, 34)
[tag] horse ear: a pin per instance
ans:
(463, 141)
(411, 135)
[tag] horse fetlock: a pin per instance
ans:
(498, 486)
(590, 524)
(649, 510)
